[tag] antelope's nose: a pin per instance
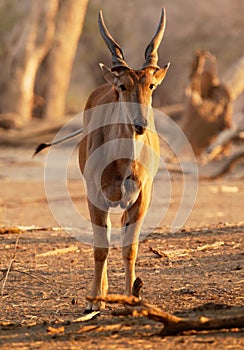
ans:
(140, 126)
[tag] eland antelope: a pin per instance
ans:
(119, 153)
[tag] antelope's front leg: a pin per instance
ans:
(101, 229)
(100, 280)
(129, 254)
(131, 226)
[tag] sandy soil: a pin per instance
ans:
(200, 272)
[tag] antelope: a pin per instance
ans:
(126, 169)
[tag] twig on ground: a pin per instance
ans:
(10, 265)
(87, 317)
(55, 330)
(60, 251)
(103, 328)
(158, 253)
(21, 229)
(170, 254)
(7, 271)
(31, 275)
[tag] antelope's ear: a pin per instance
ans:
(110, 76)
(160, 74)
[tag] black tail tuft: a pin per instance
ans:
(41, 147)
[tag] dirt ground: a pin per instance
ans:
(199, 273)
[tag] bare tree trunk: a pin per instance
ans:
(17, 82)
(58, 64)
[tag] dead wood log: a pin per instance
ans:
(209, 103)
(172, 324)
(234, 78)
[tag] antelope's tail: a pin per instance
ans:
(42, 146)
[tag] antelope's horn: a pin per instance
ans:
(151, 54)
(115, 49)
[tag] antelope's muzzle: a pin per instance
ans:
(140, 126)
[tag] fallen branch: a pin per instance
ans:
(172, 324)
(222, 140)
(139, 306)
(215, 169)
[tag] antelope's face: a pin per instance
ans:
(135, 86)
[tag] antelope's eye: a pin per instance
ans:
(151, 86)
(122, 87)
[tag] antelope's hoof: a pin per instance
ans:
(89, 311)
(137, 286)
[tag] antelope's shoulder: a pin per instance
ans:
(102, 95)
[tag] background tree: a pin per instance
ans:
(45, 34)
(31, 40)
(54, 74)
